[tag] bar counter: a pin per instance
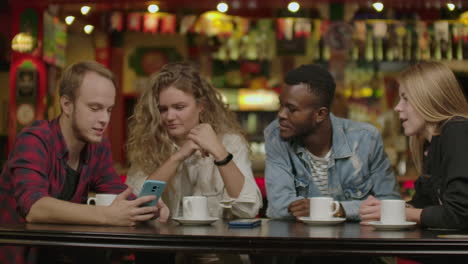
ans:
(272, 237)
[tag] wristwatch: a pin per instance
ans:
(224, 161)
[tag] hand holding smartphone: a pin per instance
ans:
(152, 187)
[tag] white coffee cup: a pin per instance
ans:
(323, 207)
(102, 199)
(392, 212)
(195, 207)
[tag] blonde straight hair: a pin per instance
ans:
(435, 94)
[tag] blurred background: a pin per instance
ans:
(244, 47)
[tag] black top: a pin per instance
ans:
(71, 182)
(442, 190)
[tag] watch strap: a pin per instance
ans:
(224, 161)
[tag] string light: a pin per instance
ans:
(85, 10)
(88, 29)
(378, 6)
(236, 4)
(252, 4)
(293, 7)
(69, 20)
(153, 8)
(222, 7)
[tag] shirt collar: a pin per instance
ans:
(340, 145)
(61, 146)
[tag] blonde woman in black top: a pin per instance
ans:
(434, 114)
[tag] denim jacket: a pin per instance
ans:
(358, 168)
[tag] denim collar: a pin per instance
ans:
(340, 145)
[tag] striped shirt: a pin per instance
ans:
(319, 171)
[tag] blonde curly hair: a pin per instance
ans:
(149, 144)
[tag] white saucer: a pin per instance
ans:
(330, 221)
(380, 226)
(186, 221)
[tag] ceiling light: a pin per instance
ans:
(378, 6)
(222, 7)
(69, 20)
(85, 10)
(88, 29)
(451, 6)
(236, 4)
(293, 7)
(153, 8)
(252, 4)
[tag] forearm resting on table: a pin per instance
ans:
(51, 210)
(413, 214)
(167, 170)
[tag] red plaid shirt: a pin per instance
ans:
(36, 168)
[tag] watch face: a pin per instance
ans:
(25, 114)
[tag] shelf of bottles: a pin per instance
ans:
(392, 40)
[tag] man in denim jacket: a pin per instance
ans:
(310, 152)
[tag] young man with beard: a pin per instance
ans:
(54, 164)
(311, 153)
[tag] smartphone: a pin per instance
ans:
(245, 223)
(152, 187)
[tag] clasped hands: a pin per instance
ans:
(203, 138)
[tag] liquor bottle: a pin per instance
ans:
(369, 49)
(458, 40)
(316, 48)
(321, 47)
(409, 44)
(424, 45)
(390, 45)
(355, 51)
(417, 44)
(379, 49)
(325, 52)
(437, 49)
(430, 42)
(449, 55)
(460, 49)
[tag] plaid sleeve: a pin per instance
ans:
(28, 171)
(105, 177)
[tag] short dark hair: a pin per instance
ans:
(318, 79)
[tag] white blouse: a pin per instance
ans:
(198, 176)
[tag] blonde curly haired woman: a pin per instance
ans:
(182, 133)
(434, 114)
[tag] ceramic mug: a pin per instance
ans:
(392, 212)
(102, 199)
(323, 208)
(195, 207)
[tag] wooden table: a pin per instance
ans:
(272, 237)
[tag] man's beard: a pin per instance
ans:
(79, 135)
